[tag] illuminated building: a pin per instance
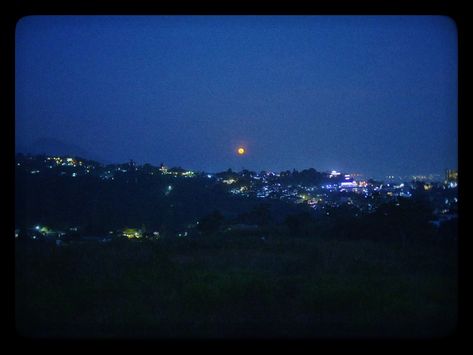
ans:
(229, 181)
(451, 176)
(132, 233)
(188, 173)
(334, 173)
(348, 184)
(163, 168)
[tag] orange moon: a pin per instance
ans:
(241, 151)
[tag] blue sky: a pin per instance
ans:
(370, 94)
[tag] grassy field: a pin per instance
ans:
(236, 286)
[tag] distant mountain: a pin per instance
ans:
(53, 146)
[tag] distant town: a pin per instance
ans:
(320, 191)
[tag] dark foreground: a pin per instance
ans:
(236, 286)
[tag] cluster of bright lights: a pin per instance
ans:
(43, 229)
(132, 233)
(188, 173)
(229, 181)
(453, 174)
(427, 187)
(57, 160)
(165, 171)
(334, 173)
(419, 177)
(72, 162)
(241, 190)
(312, 202)
(348, 184)
(68, 161)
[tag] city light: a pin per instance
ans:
(334, 173)
(132, 233)
(229, 181)
(168, 190)
(287, 187)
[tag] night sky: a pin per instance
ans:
(373, 95)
